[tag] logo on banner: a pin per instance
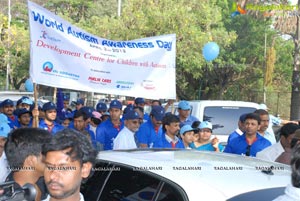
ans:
(48, 66)
(46, 36)
(148, 85)
(124, 85)
(99, 80)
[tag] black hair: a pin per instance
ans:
(80, 146)
(195, 125)
(24, 142)
(96, 121)
(261, 112)
(288, 129)
(80, 113)
(139, 108)
(295, 165)
(158, 101)
(253, 116)
(168, 119)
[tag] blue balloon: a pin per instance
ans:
(29, 85)
(235, 13)
(210, 51)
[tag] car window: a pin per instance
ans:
(225, 118)
(128, 184)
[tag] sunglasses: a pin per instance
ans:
(248, 149)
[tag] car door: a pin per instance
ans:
(117, 182)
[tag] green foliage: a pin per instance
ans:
(237, 73)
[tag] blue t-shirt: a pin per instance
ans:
(206, 147)
(233, 135)
(147, 134)
(162, 142)
(12, 121)
(239, 145)
(189, 121)
(106, 133)
(57, 127)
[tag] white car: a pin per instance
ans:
(180, 175)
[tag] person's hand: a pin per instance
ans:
(170, 102)
(35, 112)
(215, 142)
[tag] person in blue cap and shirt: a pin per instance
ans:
(205, 143)
(251, 141)
(187, 135)
(4, 130)
(24, 117)
(168, 138)
(126, 137)
(240, 129)
(101, 108)
(108, 130)
(24, 102)
(78, 104)
(152, 129)
(184, 110)
(49, 123)
(140, 102)
(8, 110)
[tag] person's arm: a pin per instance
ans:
(100, 137)
(169, 103)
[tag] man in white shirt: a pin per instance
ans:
(264, 124)
(4, 130)
(271, 153)
(126, 137)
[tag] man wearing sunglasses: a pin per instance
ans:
(250, 142)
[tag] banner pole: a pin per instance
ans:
(35, 113)
(54, 95)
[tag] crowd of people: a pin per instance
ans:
(62, 133)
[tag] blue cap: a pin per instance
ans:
(101, 107)
(79, 101)
(128, 107)
(3, 118)
(186, 128)
(4, 129)
(263, 106)
(158, 112)
(7, 102)
(66, 98)
(115, 104)
(21, 111)
(243, 117)
(184, 105)
(49, 106)
(24, 98)
(139, 101)
(205, 124)
(88, 111)
(105, 114)
(131, 114)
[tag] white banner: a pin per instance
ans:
(65, 56)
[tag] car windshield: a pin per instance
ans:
(225, 118)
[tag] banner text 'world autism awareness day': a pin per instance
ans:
(37, 17)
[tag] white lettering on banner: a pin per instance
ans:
(65, 56)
